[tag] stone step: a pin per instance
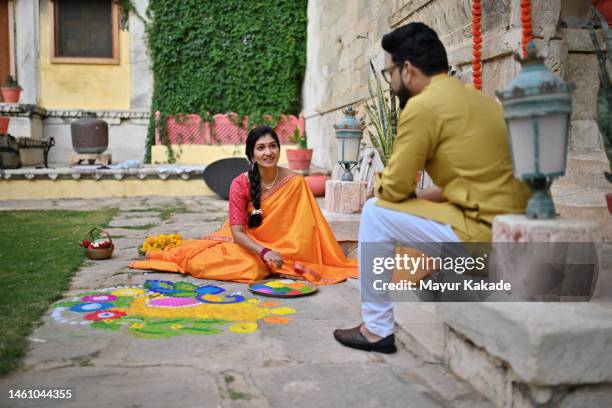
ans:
(575, 201)
(523, 351)
(586, 170)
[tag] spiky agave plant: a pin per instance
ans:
(604, 96)
(382, 115)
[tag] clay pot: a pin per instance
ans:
(299, 159)
(4, 124)
(605, 8)
(11, 94)
(316, 182)
(89, 134)
(609, 202)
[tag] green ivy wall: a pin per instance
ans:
(243, 56)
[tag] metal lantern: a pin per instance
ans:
(348, 134)
(537, 108)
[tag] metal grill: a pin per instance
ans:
(191, 129)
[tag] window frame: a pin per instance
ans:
(114, 60)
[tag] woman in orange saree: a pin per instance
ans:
(284, 232)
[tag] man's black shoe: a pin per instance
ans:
(354, 339)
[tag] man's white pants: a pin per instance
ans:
(379, 224)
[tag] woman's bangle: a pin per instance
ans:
(263, 253)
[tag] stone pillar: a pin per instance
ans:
(545, 260)
(345, 196)
(27, 50)
(140, 72)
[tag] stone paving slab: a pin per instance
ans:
(349, 385)
(118, 386)
(126, 233)
(298, 364)
(119, 222)
(138, 214)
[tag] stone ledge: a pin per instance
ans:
(544, 344)
(517, 228)
(84, 173)
(20, 109)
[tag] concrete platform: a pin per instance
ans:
(98, 182)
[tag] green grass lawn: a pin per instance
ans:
(39, 254)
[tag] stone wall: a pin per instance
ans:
(343, 35)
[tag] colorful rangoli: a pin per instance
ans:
(163, 308)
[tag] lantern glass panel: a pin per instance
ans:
(553, 138)
(523, 152)
(348, 149)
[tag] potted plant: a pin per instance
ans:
(11, 91)
(382, 115)
(299, 159)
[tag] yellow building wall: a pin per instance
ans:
(52, 189)
(82, 86)
(205, 154)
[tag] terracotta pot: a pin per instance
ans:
(605, 8)
(4, 124)
(316, 183)
(299, 159)
(11, 94)
(609, 202)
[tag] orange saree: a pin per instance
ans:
(293, 225)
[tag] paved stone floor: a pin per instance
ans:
(293, 365)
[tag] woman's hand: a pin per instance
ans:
(273, 259)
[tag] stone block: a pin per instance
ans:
(583, 71)
(482, 371)
(585, 136)
(545, 260)
(545, 344)
(496, 381)
(579, 40)
(345, 196)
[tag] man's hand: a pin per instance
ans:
(431, 194)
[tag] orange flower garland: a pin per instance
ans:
(477, 43)
(526, 24)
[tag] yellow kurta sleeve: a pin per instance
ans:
(417, 135)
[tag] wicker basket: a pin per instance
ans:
(99, 253)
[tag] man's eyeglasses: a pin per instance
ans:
(386, 73)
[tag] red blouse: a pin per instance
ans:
(239, 197)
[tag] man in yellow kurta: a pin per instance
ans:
(459, 136)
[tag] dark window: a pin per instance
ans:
(84, 28)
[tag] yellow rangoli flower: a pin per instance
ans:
(247, 327)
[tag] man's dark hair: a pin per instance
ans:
(418, 44)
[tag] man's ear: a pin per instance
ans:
(407, 72)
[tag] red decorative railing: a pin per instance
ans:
(191, 129)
